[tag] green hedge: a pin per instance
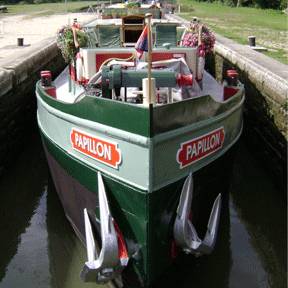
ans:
(273, 4)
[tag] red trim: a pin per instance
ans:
(51, 91)
(100, 58)
(232, 73)
(122, 249)
(184, 80)
(45, 73)
(174, 250)
(229, 92)
(160, 56)
(72, 72)
(83, 81)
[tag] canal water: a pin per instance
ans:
(38, 248)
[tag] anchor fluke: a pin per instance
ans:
(113, 256)
(185, 233)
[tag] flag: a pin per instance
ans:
(142, 42)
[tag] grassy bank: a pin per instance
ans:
(45, 9)
(269, 26)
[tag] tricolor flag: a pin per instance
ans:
(142, 43)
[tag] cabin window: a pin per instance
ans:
(132, 27)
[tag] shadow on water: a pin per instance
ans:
(20, 190)
(259, 211)
(212, 270)
(205, 271)
(66, 253)
(251, 249)
(38, 247)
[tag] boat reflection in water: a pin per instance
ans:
(258, 225)
(21, 189)
(65, 250)
(214, 269)
(40, 249)
(251, 249)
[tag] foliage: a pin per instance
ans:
(65, 42)
(133, 5)
(34, 10)
(283, 4)
(269, 26)
(273, 4)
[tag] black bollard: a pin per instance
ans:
(20, 41)
(252, 41)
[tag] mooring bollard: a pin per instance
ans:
(252, 41)
(20, 41)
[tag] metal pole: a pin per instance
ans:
(148, 15)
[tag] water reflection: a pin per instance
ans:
(38, 247)
(28, 267)
(258, 225)
(251, 250)
(66, 253)
(21, 189)
(206, 271)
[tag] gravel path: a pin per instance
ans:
(33, 30)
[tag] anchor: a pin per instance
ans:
(185, 233)
(113, 257)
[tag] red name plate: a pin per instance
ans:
(200, 147)
(101, 150)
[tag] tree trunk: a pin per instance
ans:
(239, 3)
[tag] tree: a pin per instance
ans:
(230, 2)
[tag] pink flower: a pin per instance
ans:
(191, 39)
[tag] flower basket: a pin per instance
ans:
(66, 38)
(198, 35)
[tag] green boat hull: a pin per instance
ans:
(143, 186)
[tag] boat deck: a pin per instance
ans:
(210, 87)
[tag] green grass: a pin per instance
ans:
(269, 26)
(45, 9)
